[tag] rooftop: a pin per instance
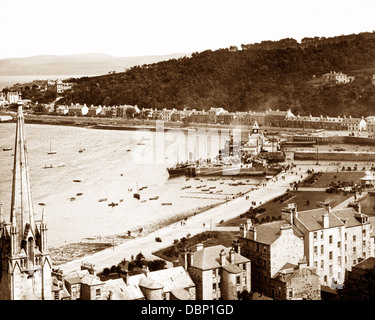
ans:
(209, 258)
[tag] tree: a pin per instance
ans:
(107, 101)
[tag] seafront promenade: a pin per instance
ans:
(204, 221)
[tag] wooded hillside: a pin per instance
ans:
(286, 75)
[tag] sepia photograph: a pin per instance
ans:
(206, 152)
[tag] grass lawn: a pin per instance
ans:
(300, 199)
(208, 238)
(368, 205)
(327, 177)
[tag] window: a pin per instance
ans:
(339, 260)
(354, 238)
(264, 249)
(330, 269)
(364, 232)
(346, 236)
(364, 243)
(315, 250)
(238, 280)
(315, 236)
(321, 264)
(330, 239)
(354, 249)
(330, 255)
(321, 249)
(325, 278)
(290, 293)
(322, 235)
(339, 244)
(214, 286)
(97, 292)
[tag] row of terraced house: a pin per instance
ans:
(272, 118)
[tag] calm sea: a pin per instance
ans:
(113, 163)
(8, 81)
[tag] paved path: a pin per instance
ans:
(194, 225)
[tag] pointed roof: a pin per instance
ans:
(255, 125)
(22, 208)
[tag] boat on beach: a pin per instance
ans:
(48, 167)
(79, 194)
(50, 149)
(7, 149)
(112, 204)
(76, 180)
(102, 200)
(166, 203)
(154, 198)
(137, 194)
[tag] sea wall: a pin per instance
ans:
(339, 156)
(335, 140)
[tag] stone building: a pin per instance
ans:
(296, 282)
(218, 272)
(25, 261)
(276, 250)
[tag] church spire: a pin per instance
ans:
(22, 210)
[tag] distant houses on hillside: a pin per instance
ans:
(336, 78)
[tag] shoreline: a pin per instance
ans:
(123, 124)
(77, 250)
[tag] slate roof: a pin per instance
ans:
(76, 277)
(209, 257)
(172, 278)
(122, 291)
(348, 215)
(313, 219)
(268, 233)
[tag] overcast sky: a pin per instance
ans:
(153, 27)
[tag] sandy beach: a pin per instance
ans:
(201, 222)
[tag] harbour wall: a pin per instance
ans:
(339, 156)
(336, 140)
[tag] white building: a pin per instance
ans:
(63, 86)
(336, 78)
(335, 240)
(13, 97)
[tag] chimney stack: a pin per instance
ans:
(325, 220)
(189, 259)
(199, 246)
(236, 246)
(222, 257)
(232, 255)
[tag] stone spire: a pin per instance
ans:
(22, 209)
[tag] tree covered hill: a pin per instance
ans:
(278, 76)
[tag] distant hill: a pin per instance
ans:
(89, 64)
(279, 75)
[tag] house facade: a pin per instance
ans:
(218, 272)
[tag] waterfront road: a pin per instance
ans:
(201, 222)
